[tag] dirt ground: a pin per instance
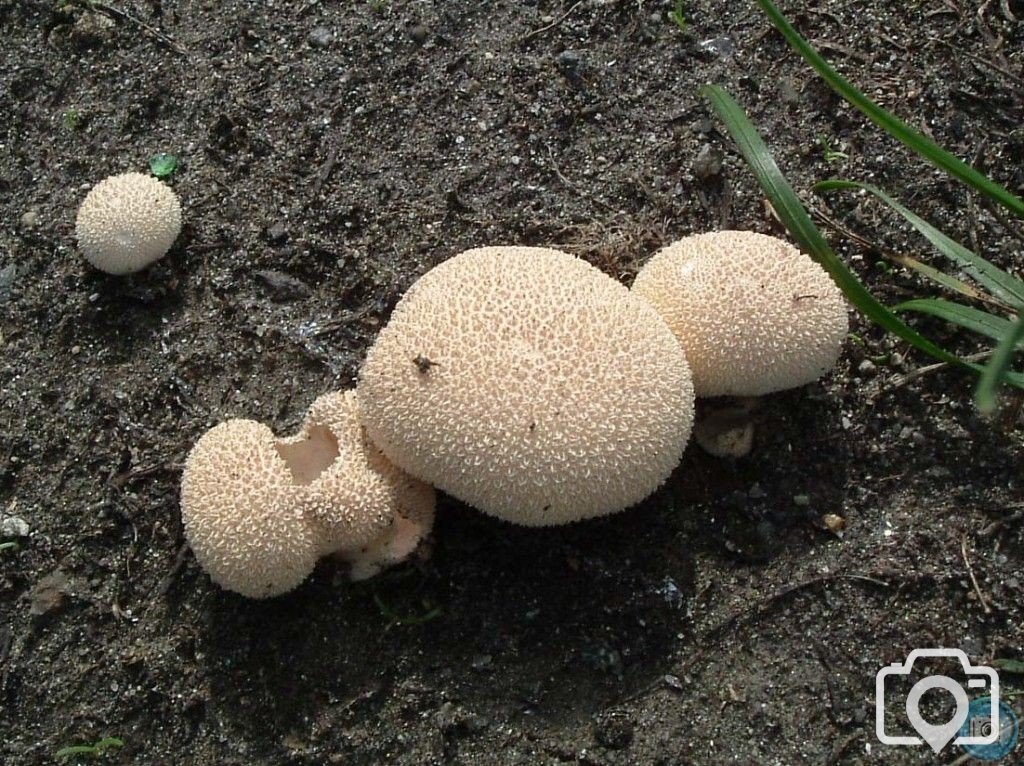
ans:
(331, 153)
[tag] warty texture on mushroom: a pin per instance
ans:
(752, 313)
(127, 222)
(259, 511)
(527, 383)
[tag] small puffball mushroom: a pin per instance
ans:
(753, 314)
(724, 427)
(127, 222)
(530, 385)
(351, 494)
(240, 517)
(259, 511)
(732, 441)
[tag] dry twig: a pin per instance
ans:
(974, 580)
(553, 24)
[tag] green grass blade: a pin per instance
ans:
(1002, 285)
(892, 125)
(796, 220)
(997, 369)
(793, 215)
(969, 318)
(941, 278)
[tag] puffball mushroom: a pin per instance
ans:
(352, 494)
(259, 511)
(752, 313)
(241, 520)
(127, 222)
(526, 383)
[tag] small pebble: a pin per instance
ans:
(30, 218)
(13, 526)
(319, 37)
(277, 232)
(48, 594)
(418, 33)
(569, 63)
(708, 163)
(867, 367)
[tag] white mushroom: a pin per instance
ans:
(259, 511)
(753, 314)
(239, 512)
(127, 222)
(530, 385)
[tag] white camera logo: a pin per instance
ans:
(979, 677)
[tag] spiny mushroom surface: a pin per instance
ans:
(259, 511)
(127, 222)
(241, 520)
(350, 492)
(753, 314)
(530, 385)
(414, 518)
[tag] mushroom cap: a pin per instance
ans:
(355, 497)
(528, 384)
(127, 222)
(237, 502)
(753, 314)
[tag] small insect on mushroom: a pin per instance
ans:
(423, 364)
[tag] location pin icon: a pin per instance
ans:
(937, 737)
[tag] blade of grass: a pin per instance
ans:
(969, 318)
(892, 125)
(951, 283)
(941, 278)
(796, 220)
(1001, 284)
(997, 369)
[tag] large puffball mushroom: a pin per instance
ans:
(528, 384)
(127, 222)
(239, 512)
(753, 314)
(352, 495)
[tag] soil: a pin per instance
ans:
(330, 154)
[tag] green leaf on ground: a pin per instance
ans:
(163, 165)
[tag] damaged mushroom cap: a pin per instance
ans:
(530, 385)
(127, 222)
(753, 314)
(413, 521)
(350, 492)
(239, 512)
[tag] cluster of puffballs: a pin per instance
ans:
(520, 380)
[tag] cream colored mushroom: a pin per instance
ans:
(259, 511)
(241, 520)
(351, 494)
(530, 385)
(127, 222)
(753, 314)
(413, 521)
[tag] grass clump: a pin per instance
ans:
(678, 14)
